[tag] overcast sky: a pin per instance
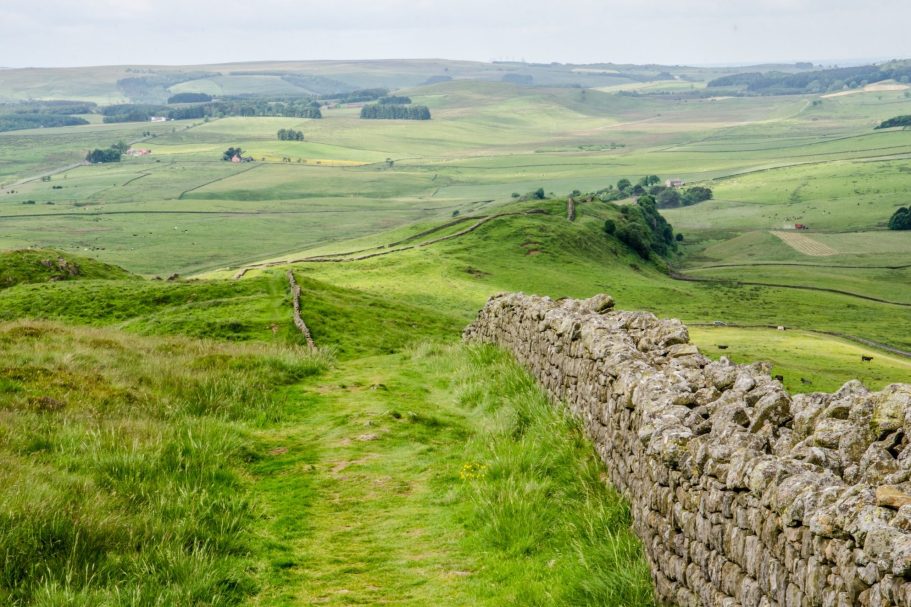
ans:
(104, 32)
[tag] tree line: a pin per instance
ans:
(16, 122)
(240, 106)
(43, 114)
(816, 81)
(189, 98)
(896, 121)
(379, 111)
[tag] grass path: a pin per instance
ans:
(366, 499)
(364, 481)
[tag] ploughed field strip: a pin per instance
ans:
(805, 244)
(741, 493)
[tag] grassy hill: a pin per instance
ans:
(153, 83)
(37, 266)
(257, 469)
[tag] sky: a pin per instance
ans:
(46, 33)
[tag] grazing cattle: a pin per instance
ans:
(722, 347)
(779, 377)
(805, 381)
(866, 359)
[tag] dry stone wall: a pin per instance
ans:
(741, 493)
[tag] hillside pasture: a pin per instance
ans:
(809, 362)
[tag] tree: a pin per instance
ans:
(610, 226)
(624, 184)
(901, 219)
(121, 147)
(538, 194)
(231, 153)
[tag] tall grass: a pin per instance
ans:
(121, 464)
(546, 526)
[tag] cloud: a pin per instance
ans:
(197, 31)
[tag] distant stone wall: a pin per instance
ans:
(741, 493)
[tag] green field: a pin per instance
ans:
(167, 438)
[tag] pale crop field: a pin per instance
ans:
(804, 244)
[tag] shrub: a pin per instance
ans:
(695, 195)
(901, 219)
(668, 198)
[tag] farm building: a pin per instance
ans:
(135, 152)
(158, 118)
(674, 183)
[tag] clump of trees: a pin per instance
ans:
(231, 153)
(384, 111)
(650, 185)
(901, 219)
(111, 154)
(642, 228)
(190, 98)
(893, 122)
(290, 135)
